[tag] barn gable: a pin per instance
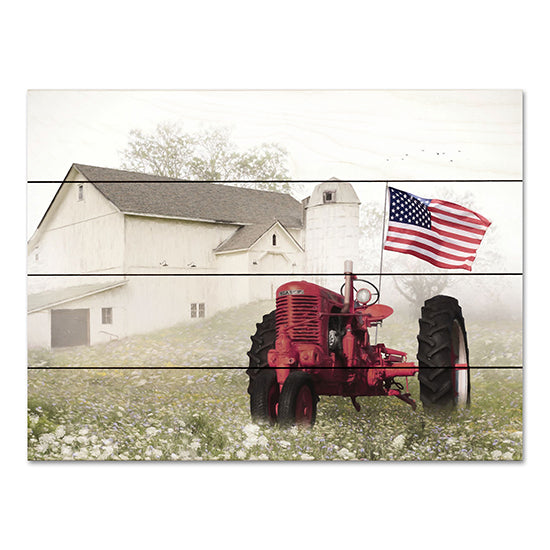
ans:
(75, 201)
(247, 236)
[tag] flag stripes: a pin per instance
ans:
(450, 243)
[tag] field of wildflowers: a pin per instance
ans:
(123, 412)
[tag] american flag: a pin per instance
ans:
(444, 234)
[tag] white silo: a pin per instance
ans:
(331, 229)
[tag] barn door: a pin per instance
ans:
(70, 327)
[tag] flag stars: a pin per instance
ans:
(406, 208)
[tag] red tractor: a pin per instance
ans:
(316, 342)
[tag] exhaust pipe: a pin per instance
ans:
(348, 286)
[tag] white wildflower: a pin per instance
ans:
(47, 439)
(68, 439)
(155, 454)
(305, 456)
(66, 450)
(241, 454)
(107, 451)
(284, 444)
(60, 432)
(95, 452)
(33, 419)
(263, 456)
(151, 431)
(345, 454)
(251, 429)
(83, 431)
(195, 444)
(399, 442)
(507, 456)
(495, 455)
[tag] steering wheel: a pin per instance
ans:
(374, 294)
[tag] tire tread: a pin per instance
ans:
(434, 350)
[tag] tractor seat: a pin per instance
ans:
(377, 312)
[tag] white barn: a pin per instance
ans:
(120, 253)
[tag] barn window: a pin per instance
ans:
(329, 196)
(274, 240)
(106, 315)
(197, 310)
(81, 192)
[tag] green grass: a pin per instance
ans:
(203, 414)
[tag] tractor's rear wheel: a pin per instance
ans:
(264, 396)
(262, 341)
(298, 401)
(444, 370)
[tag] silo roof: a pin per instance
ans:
(333, 191)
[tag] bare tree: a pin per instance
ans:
(371, 225)
(418, 288)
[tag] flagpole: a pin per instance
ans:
(382, 251)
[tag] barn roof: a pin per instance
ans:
(50, 298)
(244, 237)
(135, 193)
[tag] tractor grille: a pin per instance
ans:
(303, 313)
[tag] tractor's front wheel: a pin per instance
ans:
(264, 396)
(298, 401)
(444, 370)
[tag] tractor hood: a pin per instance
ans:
(297, 288)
